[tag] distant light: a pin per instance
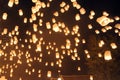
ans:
(107, 55)
(59, 79)
(4, 17)
(113, 45)
(91, 77)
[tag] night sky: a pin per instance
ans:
(69, 66)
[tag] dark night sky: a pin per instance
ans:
(111, 6)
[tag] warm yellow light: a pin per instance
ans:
(5, 15)
(107, 55)
(77, 17)
(49, 73)
(113, 45)
(20, 12)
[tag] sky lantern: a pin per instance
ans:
(5, 31)
(48, 26)
(105, 13)
(101, 43)
(3, 78)
(34, 1)
(56, 28)
(83, 41)
(79, 68)
(49, 74)
(82, 11)
(62, 4)
(90, 26)
(16, 28)
(103, 20)
(47, 35)
(113, 45)
(73, 0)
(99, 55)
(107, 55)
(56, 14)
(68, 44)
(103, 30)
(25, 20)
(92, 13)
(20, 12)
(77, 17)
(66, 7)
(5, 15)
(117, 18)
(33, 16)
(97, 31)
(78, 6)
(117, 26)
(88, 55)
(91, 77)
(35, 27)
(16, 2)
(10, 3)
(57, 55)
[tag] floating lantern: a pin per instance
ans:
(16, 2)
(103, 20)
(91, 77)
(82, 11)
(107, 55)
(49, 73)
(77, 17)
(113, 45)
(79, 68)
(20, 12)
(4, 17)
(10, 3)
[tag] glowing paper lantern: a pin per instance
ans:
(97, 31)
(56, 14)
(59, 79)
(117, 18)
(92, 13)
(25, 20)
(34, 1)
(73, 0)
(117, 26)
(10, 3)
(62, 4)
(77, 17)
(113, 45)
(3, 78)
(66, 7)
(107, 55)
(35, 27)
(20, 12)
(90, 26)
(79, 68)
(5, 31)
(57, 55)
(105, 13)
(103, 20)
(49, 73)
(99, 55)
(4, 17)
(101, 43)
(16, 2)
(68, 44)
(88, 55)
(82, 11)
(91, 77)
(56, 28)
(48, 26)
